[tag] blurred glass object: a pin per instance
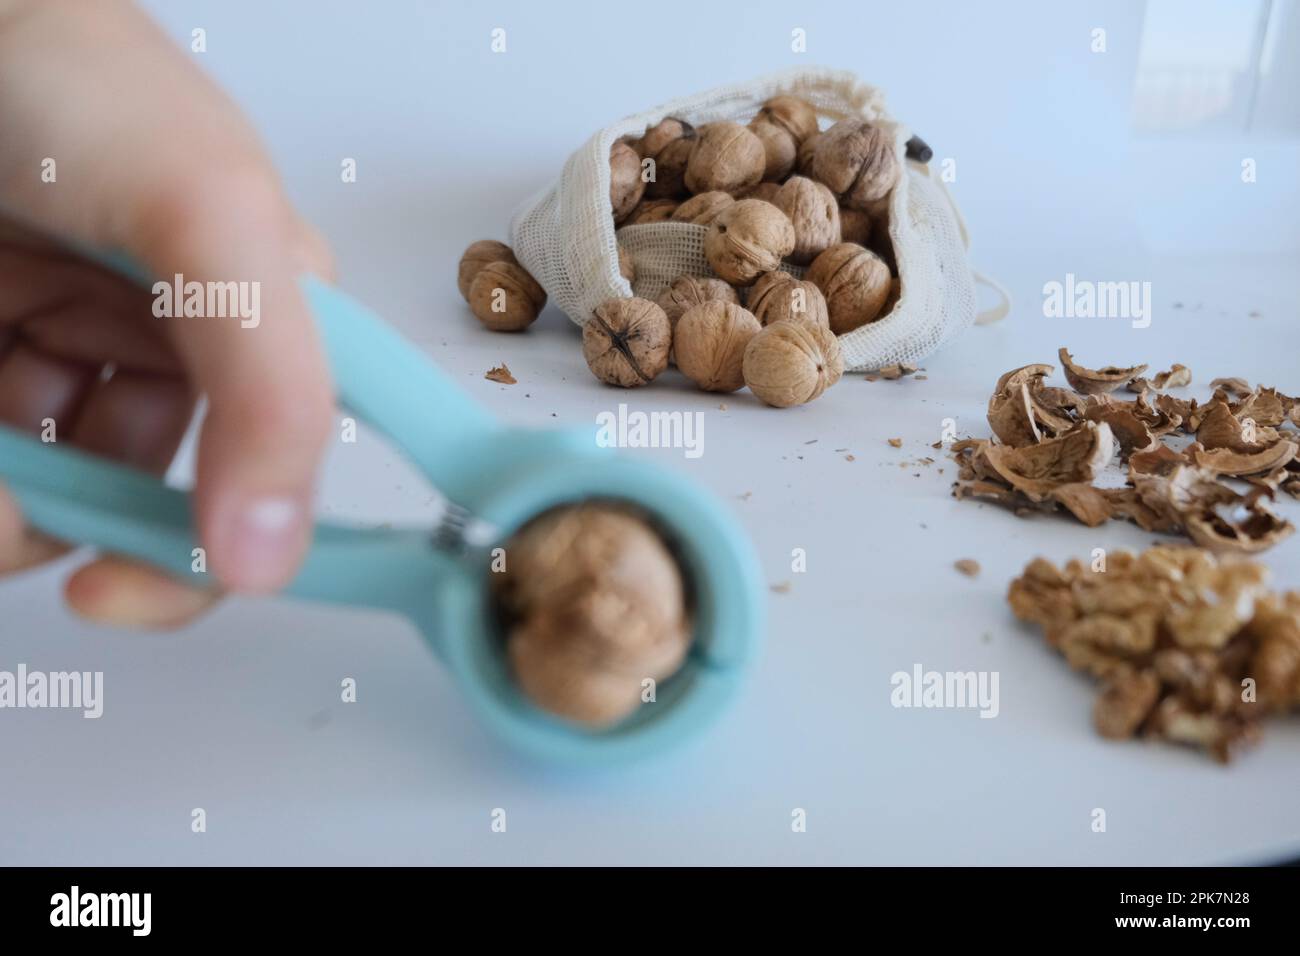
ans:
(1215, 67)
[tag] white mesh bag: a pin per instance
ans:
(566, 236)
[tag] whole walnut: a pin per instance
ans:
(780, 297)
(855, 282)
(593, 603)
(815, 214)
(625, 183)
(791, 363)
(779, 148)
(746, 239)
(804, 158)
(476, 257)
(626, 342)
(709, 343)
(686, 292)
(856, 159)
(727, 156)
(651, 210)
(763, 287)
(855, 226)
(704, 208)
(669, 170)
(796, 116)
(668, 146)
(505, 298)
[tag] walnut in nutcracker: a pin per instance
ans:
(856, 160)
(855, 282)
(815, 215)
(779, 297)
(746, 239)
(726, 157)
(626, 342)
(709, 342)
(593, 603)
(791, 363)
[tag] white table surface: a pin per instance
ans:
(240, 714)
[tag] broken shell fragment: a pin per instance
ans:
(1225, 461)
(1036, 470)
(1098, 381)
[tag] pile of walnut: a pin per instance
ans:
(1053, 443)
(774, 197)
(592, 605)
(1190, 648)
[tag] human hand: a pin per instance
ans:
(149, 157)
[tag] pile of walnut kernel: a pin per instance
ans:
(1190, 648)
(774, 197)
(1205, 471)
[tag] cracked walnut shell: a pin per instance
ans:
(709, 344)
(791, 363)
(746, 239)
(727, 156)
(626, 342)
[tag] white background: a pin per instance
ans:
(240, 714)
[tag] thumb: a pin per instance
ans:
(259, 363)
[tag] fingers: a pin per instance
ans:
(36, 388)
(122, 593)
(21, 548)
(153, 159)
(270, 403)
